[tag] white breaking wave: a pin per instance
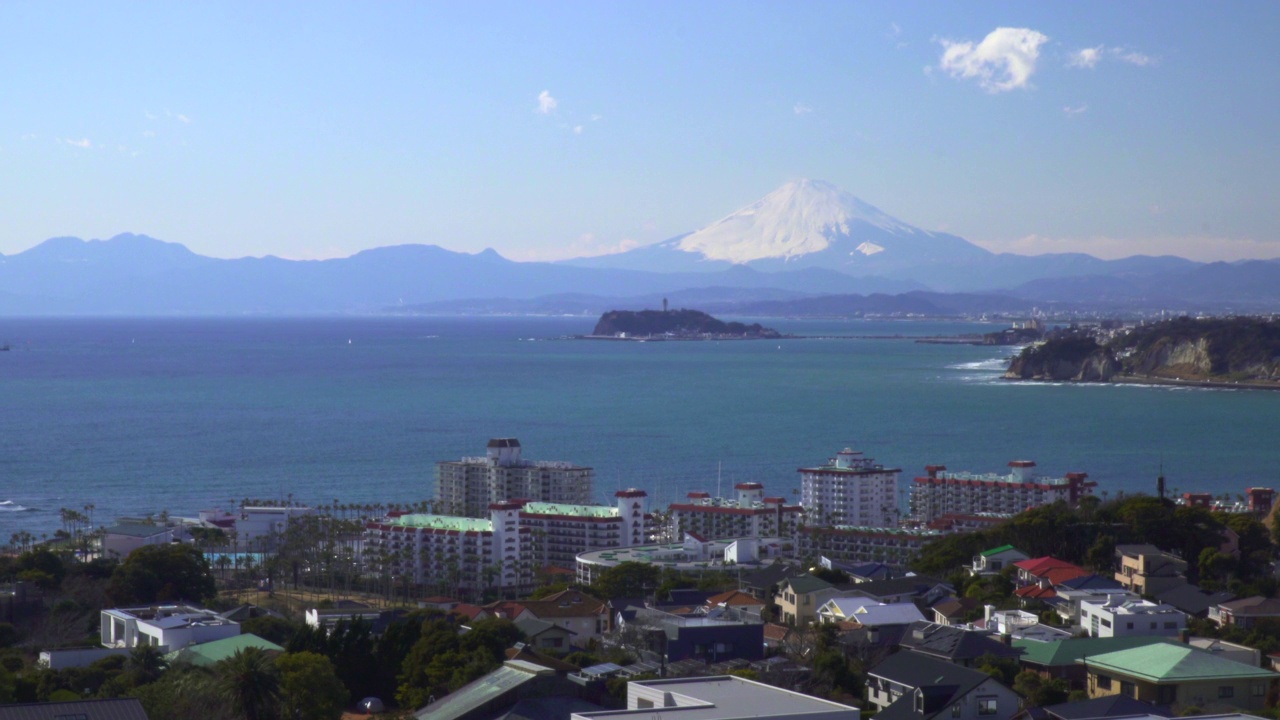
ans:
(11, 506)
(994, 364)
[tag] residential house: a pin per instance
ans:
(991, 562)
(1047, 569)
(545, 635)
(1193, 601)
(168, 627)
(739, 604)
(120, 540)
(1060, 659)
(911, 686)
(925, 590)
(1245, 613)
(867, 612)
(1067, 602)
(953, 644)
(1103, 708)
(1148, 570)
(1178, 675)
(501, 691)
(1019, 624)
(953, 610)
(799, 598)
(211, 653)
(763, 583)
(1119, 616)
(717, 698)
(672, 638)
(583, 615)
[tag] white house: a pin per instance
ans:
(868, 613)
(120, 540)
(1120, 617)
(990, 562)
(168, 627)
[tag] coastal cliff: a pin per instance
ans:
(675, 323)
(1079, 359)
(1186, 350)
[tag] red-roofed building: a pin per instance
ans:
(749, 514)
(1036, 570)
(735, 599)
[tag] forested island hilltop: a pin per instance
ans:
(1202, 351)
(679, 324)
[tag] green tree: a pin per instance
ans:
(250, 683)
(1038, 691)
(309, 687)
(268, 627)
(628, 579)
(159, 573)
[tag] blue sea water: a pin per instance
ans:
(138, 416)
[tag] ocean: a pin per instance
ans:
(140, 416)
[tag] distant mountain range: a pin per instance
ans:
(808, 248)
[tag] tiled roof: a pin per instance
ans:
(1063, 574)
(1039, 566)
(775, 632)
(734, 598)
(1174, 662)
(1256, 606)
(1035, 592)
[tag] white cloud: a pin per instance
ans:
(150, 115)
(1133, 57)
(546, 103)
(148, 133)
(1085, 57)
(802, 109)
(1004, 60)
(183, 118)
(1073, 110)
(577, 129)
(82, 143)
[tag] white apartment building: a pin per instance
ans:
(941, 493)
(850, 490)
(749, 514)
(168, 627)
(467, 487)
(459, 555)
(1121, 617)
(560, 532)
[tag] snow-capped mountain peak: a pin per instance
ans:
(799, 218)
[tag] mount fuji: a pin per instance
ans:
(814, 224)
(805, 223)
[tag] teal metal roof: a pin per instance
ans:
(1067, 652)
(591, 511)
(1172, 663)
(477, 694)
(218, 650)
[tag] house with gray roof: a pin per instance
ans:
(954, 644)
(120, 540)
(723, 697)
(911, 686)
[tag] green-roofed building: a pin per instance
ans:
(1179, 675)
(990, 562)
(562, 531)
(213, 652)
(1061, 658)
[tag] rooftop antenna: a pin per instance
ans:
(718, 471)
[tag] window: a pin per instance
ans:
(643, 703)
(1129, 626)
(955, 710)
(1106, 623)
(1128, 689)
(1104, 682)
(1259, 689)
(1171, 625)
(1153, 625)
(1226, 691)
(986, 706)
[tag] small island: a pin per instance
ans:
(1209, 352)
(682, 324)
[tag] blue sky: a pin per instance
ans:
(548, 130)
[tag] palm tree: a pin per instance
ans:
(145, 664)
(250, 682)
